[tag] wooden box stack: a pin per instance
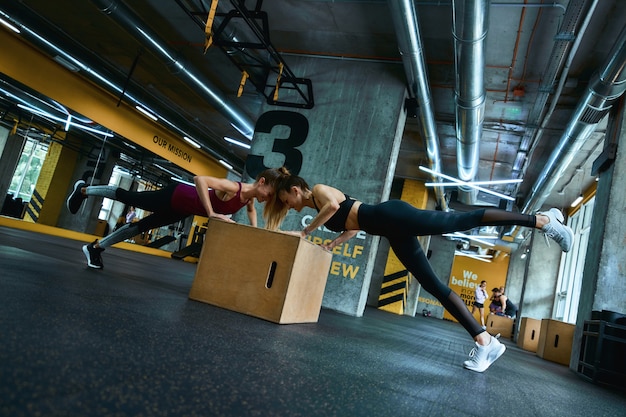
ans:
(555, 341)
(499, 324)
(528, 336)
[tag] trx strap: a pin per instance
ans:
(209, 25)
(244, 78)
(280, 73)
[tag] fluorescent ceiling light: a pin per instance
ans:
(577, 201)
(236, 142)
(226, 164)
(447, 184)
(165, 169)
(247, 135)
(192, 142)
(183, 181)
(65, 63)
(9, 25)
(66, 121)
(471, 237)
(468, 184)
(483, 258)
(146, 112)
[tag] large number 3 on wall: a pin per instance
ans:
(299, 129)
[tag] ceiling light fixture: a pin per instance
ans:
(457, 182)
(66, 64)
(147, 113)
(9, 25)
(483, 258)
(578, 200)
(226, 164)
(183, 181)
(448, 184)
(246, 135)
(66, 121)
(165, 169)
(470, 237)
(192, 142)
(236, 142)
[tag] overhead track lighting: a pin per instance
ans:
(236, 142)
(578, 200)
(470, 237)
(9, 25)
(226, 164)
(147, 113)
(469, 183)
(183, 181)
(458, 182)
(483, 258)
(67, 121)
(164, 169)
(192, 142)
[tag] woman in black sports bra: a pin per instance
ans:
(401, 223)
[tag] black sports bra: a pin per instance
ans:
(337, 223)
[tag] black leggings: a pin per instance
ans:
(157, 201)
(401, 223)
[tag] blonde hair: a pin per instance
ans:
(274, 211)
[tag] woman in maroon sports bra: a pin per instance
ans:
(211, 197)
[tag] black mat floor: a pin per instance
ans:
(127, 341)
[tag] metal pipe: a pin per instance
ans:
(126, 18)
(76, 58)
(469, 29)
(410, 45)
(605, 88)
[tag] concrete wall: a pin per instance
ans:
(535, 299)
(350, 140)
(94, 167)
(9, 157)
(441, 259)
(604, 276)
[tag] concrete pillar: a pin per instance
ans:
(604, 274)
(94, 165)
(399, 289)
(48, 200)
(10, 153)
(350, 140)
(532, 281)
(441, 259)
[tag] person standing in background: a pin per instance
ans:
(130, 216)
(480, 296)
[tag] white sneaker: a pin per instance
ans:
(557, 231)
(481, 357)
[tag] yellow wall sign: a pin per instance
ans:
(466, 275)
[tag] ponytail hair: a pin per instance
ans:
(274, 211)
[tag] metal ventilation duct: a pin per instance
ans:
(62, 49)
(469, 29)
(128, 20)
(605, 87)
(410, 45)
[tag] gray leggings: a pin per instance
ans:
(157, 201)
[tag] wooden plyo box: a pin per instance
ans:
(528, 336)
(270, 275)
(555, 341)
(498, 324)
